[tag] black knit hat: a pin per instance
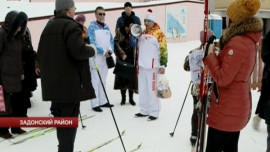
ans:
(127, 4)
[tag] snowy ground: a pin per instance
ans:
(154, 135)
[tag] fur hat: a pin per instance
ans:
(149, 15)
(80, 17)
(242, 9)
(209, 34)
(61, 5)
(127, 4)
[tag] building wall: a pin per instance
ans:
(194, 20)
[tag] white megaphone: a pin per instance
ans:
(136, 30)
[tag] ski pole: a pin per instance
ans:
(83, 126)
(110, 108)
(172, 133)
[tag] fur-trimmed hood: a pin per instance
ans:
(246, 27)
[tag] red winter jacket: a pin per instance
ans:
(231, 71)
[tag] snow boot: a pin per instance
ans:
(131, 101)
(193, 140)
(123, 94)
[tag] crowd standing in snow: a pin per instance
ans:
(73, 72)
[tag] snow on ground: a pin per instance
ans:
(154, 135)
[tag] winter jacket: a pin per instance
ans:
(263, 107)
(121, 19)
(11, 68)
(152, 47)
(102, 39)
(231, 71)
(195, 89)
(122, 47)
(28, 58)
(63, 60)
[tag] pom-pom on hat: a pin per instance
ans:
(209, 34)
(80, 17)
(149, 15)
(127, 4)
(239, 10)
(61, 5)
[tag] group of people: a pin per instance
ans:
(230, 65)
(71, 63)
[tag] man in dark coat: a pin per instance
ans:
(128, 13)
(65, 75)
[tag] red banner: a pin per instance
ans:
(59, 122)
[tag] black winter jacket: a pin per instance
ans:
(263, 107)
(11, 68)
(63, 59)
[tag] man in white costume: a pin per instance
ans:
(100, 35)
(152, 60)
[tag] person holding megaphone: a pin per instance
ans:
(152, 60)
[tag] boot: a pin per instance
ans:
(123, 94)
(131, 101)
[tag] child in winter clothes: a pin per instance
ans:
(195, 89)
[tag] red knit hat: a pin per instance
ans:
(80, 17)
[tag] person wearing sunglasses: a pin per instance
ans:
(100, 35)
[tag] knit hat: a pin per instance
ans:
(61, 5)
(127, 4)
(242, 9)
(149, 15)
(209, 34)
(80, 17)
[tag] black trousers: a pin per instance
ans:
(18, 102)
(221, 141)
(66, 136)
(194, 117)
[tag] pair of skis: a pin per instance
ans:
(205, 89)
(111, 140)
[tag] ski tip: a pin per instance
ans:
(171, 134)
(140, 145)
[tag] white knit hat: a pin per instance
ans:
(149, 15)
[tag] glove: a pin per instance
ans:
(94, 47)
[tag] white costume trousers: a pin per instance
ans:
(148, 102)
(100, 95)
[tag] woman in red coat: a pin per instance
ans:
(231, 71)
